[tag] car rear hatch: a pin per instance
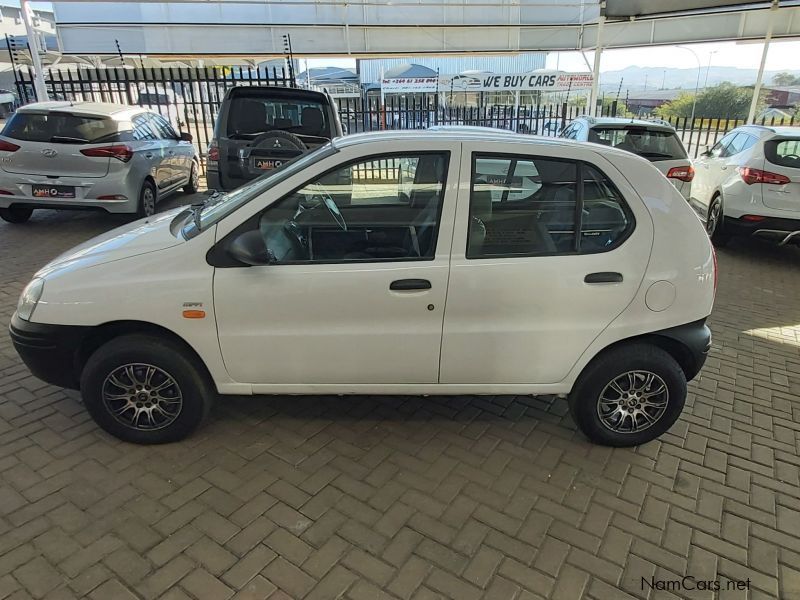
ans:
(659, 145)
(780, 178)
(252, 112)
(51, 144)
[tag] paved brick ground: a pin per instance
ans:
(410, 497)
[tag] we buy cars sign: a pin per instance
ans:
(518, 82)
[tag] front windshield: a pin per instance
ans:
(219, 206)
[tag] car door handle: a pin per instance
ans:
(149, 155)
(172, 153)
(410, 284)
(603, 277)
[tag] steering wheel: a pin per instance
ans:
(335, 212)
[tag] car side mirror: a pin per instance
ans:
(186, 137)
(706, 151)
(249, 249)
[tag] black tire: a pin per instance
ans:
(146, 208)
(187, 401)
(193, 186)
(715, 221)
(597, 380)
(16, 214)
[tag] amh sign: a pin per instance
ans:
(515, 82)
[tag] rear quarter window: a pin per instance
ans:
(785, 153)
(61, 128)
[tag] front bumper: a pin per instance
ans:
(49, 351)
(780, 230)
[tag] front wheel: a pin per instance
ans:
(15, 214)
(628, 395)
(146, 390)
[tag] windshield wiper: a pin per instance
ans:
(63, 139)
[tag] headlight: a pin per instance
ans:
(29, 298)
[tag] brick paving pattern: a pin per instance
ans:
(461, 498)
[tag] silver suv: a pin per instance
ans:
(121, 159)
(657, 141)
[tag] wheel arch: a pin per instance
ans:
(106, 332)
(687, 344)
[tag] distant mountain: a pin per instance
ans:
(655, 78)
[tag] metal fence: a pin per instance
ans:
(190, 98)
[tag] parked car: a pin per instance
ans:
(117, 158)
(260, 128)
(450, 262)
(748, 183)
(656, 141)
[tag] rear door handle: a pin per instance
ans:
(149, 155)
(410, 284)
(603, 277)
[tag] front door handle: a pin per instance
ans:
(410, 284)
(603, 277)
(149, 155)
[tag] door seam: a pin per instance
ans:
(450, 259)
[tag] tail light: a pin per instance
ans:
(8, 146)
(751, 176)
(753, 218)
(213, 153)
(6, 193)
(683, 173)
(121, 152)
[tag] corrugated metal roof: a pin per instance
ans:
(370, 70)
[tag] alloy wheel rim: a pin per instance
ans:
(149, 202)
(142, 396)
(713, 217)
(632, 402)
(195, 177)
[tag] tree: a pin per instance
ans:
(720, 101)
(785, 78)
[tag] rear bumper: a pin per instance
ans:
(87, 191)
(695, 339)
(780, 230)
(49, 351)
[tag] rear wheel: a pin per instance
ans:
(145, 389)
(628, 395)
(714, 223)
(147, 199)
(15, 214)
(194, 180)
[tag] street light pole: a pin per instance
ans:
(697, 84)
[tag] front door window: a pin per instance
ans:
(380, 209)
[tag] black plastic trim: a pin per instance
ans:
(49, 351)
(695, 337)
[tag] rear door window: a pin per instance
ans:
(59, 127)
(652, 144)
(250, 116)
(738, 144)
(785, 153)
(531, 206)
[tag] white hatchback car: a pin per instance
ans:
(455, 261)
(748, 183)
(657, 141)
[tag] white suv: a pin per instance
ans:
(456, 261)
(657, 141)
(748, 183)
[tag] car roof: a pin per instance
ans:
(622, 122)
(466, 133)
(275, 91)
(94, 109)
(778, 130)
